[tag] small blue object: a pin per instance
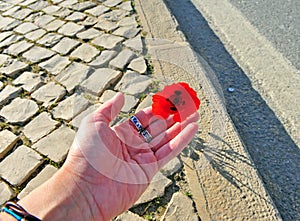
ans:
(230, 89)
(17, 217)
(136, 123)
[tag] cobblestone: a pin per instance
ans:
(17, 48)
(70, 107)
(54, 25)
(6, 193)
(10, 40)
(129, 216)
(8, 93)
(42, 177)
(35, 35)
(13, 67)
(85, 52)
(100, 80)
(89, 34)
(139, 65)
(98, 10)
(49, 94)
(115, 15)
(74, 75)
(70, 29)
(39, 127)
(103, 59)
(7, 141)
(51, 145)
(43, 20)
(107, 41)
(107, 26)
(134, 83)
(127, 31)
(4, 35)
(50, 39)
(19, 110)
(37, 54)
(56, 64)
(128, 21)
(180, 208)
(65, 45)
(122, 59)
(25, 28)
(29, 81)
(155, 189)
(76, 16)
(19, 165)
(135, 44)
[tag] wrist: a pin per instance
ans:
(60, 198)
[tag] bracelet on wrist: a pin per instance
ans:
(18, 212)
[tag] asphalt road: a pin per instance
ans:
(274, 153)
(278, 21)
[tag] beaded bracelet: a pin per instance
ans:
(18, 212)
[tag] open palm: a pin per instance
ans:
(114, 165)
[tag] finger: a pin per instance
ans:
(110, 109)
(159, 126)
(176, 145)
(172, 132)
(146, 116)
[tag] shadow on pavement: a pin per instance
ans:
(274, 153)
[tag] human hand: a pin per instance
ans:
(112, 166)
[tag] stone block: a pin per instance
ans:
(25, 28)
(134, 83)
(10, 40)
(171, 167)
(55, 64)
(100, 80)
(70, 107)
(41, 178)
(70, 29)
(76, 17)
(29, 81)
(19, 110)
(54, 25)
(6, 193)
(13, 67)
(155, 189)
(65, 45)
(98, 10)
(112, 3)
(135, 44)
(7, 141)
(37, 54)
(129, 216)
(107, 26)
(89, 34)
(49, 93)
(52, 145)
(180, 208)
(85, 52)
(139, 65)
(115, 15)
(39, 127)
(19, 165)
(75, 74)
(107, 41)
(50, 39)
(122, 59)
(147, 102)
(35, 35)
(8, 93)
(103, 59)
(127, 31)
(17, 48)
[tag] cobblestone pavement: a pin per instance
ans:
(59, 61)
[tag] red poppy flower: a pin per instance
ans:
(177, 99)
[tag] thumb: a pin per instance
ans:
(110, 109)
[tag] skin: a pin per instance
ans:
(108, 168)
